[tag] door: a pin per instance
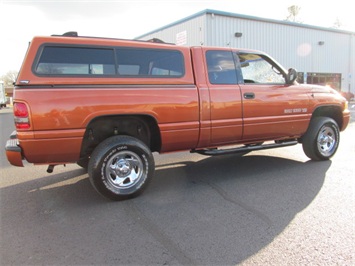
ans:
(225, 97)
(271, 108)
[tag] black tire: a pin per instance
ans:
(322, 138)
(121, 167)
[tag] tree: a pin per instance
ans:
(293, 13)
(9, 78)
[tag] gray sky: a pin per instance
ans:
(20, 20)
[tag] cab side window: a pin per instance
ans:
(221, 67)
(258, 69)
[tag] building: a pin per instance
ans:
(321, 55)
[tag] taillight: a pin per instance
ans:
(21, 116)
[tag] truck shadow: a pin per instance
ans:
(218, 210)
(240, 203)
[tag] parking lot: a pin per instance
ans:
(273, 207)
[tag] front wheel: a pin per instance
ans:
(321, 140)
(121, 167)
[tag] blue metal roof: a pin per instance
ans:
(241, 16)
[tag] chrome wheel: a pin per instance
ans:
(121, 167)
(321, 140)
(124, 169)
(326, 141)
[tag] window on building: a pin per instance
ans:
(300, 77)
(221, 67)
(55, 60)
(257, 69)
(328, 79)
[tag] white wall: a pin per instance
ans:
(291, 44)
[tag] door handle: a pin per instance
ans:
(249, 95)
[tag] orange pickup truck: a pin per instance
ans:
(108, 104)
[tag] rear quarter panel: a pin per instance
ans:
(59, 116)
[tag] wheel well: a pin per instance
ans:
(142, 127)
(333, 112)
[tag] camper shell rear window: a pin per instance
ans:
(66, 61)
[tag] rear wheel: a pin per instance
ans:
(121, 167)
(321, 140)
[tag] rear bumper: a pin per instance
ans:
(14, 151)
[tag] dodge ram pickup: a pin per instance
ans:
(108, 104)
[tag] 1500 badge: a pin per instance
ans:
(295, 110)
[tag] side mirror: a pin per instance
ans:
(291, 76)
